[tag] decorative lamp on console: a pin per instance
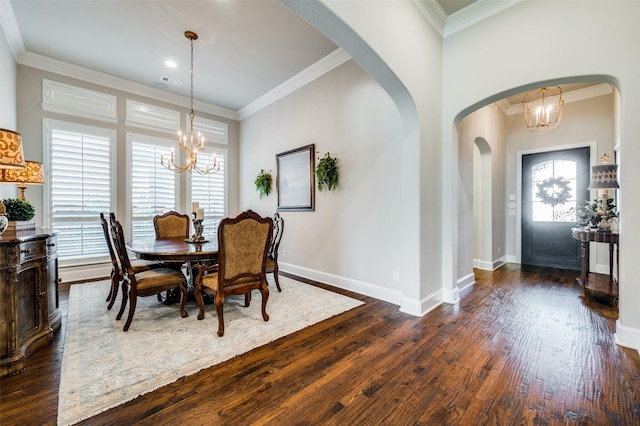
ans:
(605, 177)
(32, 175)
(11, 157)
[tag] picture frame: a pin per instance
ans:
(295, 181)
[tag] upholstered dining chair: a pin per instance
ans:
(272, 256)
(243, 244)
(171, 225)
(116, 271)
(145, 283)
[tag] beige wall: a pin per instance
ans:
(351, 239)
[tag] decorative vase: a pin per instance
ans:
(4, 224)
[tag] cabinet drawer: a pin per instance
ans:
(52, 246)
(32, 250)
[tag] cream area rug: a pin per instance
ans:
(103, 367)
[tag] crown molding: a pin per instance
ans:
(323, 66)
(73, 71)
(573, 96)
(433, 13)
(474, 13)
(10, 28)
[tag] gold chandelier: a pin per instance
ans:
(189, 141)
(543, 108)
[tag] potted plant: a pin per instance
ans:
(597, 213)
(264, 182)
(327, 172)
(20, 214)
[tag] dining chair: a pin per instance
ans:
(243, 244)
(171, 225)
(145, 283)
(116, 271)
(272, 256)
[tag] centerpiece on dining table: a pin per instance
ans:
(198, 217)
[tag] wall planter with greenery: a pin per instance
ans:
(20, 214)
(264, 183)
(327, 172)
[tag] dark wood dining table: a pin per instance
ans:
(175, 252)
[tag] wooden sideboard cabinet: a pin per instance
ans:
(29, 311)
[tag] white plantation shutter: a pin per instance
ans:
(153, 187)
(210, 191)
(79, 187)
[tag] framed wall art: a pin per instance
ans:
(295, 181)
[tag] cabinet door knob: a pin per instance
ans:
(27, 251)
(51, 245)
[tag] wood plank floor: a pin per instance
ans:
(521, 347)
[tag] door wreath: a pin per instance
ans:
(554, 191)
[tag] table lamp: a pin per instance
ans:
(31, 174)
(605, 177)
(11, 157)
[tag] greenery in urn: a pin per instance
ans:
(19, 210)
(597, 213)
(327, 172)
(264, 183)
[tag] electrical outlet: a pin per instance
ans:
(284, 253)
(499, 249)
(396, 276)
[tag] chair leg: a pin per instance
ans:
(265, 295)
(197, 293)
(219, 301)
(113, 293)
(125, 292)
(183, 299)
(275, 277)
(133, 299)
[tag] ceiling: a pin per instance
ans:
(244, 49)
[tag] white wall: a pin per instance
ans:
(8, 96)
(351, 240)
(592, 39)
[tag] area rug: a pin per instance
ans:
(103, 367)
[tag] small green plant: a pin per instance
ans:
(327, 172)
(19, 210)
(264, 183)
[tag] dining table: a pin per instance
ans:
(175, 253)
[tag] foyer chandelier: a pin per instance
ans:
(190, 142)
(543, 108)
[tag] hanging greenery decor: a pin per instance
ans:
(327, 172)
(554, 191)
(264, 182)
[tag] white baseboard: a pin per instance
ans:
(489, 266)
(466, 282)
(85, 272)
(407, 305)
(627, 336)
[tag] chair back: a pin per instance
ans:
(278, 228)
(243, 244)
(171, 225)
(107, 237)
(117, 236)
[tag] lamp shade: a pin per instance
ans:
(31, 174)
(11, 154)
(604, 176)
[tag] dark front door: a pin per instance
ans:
(553, 184)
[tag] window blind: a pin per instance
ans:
(80, 188)
(153, 187)
(210, 191)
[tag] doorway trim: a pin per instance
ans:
(593, 145)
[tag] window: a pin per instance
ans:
(554, 191)
(152, 186)
(80, 172)
(210, 192)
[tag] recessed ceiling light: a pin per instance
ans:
(170, 64)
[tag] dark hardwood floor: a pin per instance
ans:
(521, 347)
